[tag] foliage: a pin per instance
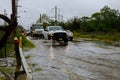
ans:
(8, 72)
(26, 44)
(99, 36)
(37, 69)
(10, 42)
(107, 21)
(9, 45)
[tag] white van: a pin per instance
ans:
(37, 30)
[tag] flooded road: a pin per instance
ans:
(76, 61)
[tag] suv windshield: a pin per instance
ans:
(53, 28)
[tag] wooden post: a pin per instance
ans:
(17, 53)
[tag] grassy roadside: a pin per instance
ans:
(10, 44)
(10, 51)
(26, 44)
(106, 37)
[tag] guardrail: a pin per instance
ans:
(23, 71)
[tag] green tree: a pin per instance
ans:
(84, 24)
(106, 19)
(109, 17)
(74, 24)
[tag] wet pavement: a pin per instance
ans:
(83, 60)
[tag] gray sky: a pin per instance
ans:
(68, 8)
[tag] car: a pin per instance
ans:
(27, 33)
(37, 30)
(70, 35)
(56, 33)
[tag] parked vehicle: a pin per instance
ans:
(70, 35)
(56, 33)
(37, 30)
(27, 32)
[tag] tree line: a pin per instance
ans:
(107, 20)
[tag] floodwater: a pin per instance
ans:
(83, 60)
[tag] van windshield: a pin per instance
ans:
(37, 27)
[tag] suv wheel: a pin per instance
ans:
(49, 37)
(66, 40)
(71, 38)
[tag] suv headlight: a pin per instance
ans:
(66, 34)
(50, 34)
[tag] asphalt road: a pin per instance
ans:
(83, 60)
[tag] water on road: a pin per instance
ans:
(76, 61)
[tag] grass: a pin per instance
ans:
(26, 44)
(100, 36)
(10, 50)
(27, 57)
(3, 78)
(33, 64)
(37, 69)
(8, 72)
(108, 38)
(10, 44)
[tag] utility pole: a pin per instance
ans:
(58, 17)
(56, 14)
(40, 18)
(14, 10)
(5, 13)
(14, 14)
(61, 18)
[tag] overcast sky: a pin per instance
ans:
(68, 8)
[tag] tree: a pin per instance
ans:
(74, 24)
(43, 18)
(84, 23)
(109, 17)
(105, 20)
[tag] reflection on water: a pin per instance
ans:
(87, 60)
(51, 50)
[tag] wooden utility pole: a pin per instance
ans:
(5, 13)
(55, 15)
(40, 18)
(14, 11)
(14, 15)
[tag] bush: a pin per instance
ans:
(10, 45)
(25, 43)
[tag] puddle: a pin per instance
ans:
(83, 60)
